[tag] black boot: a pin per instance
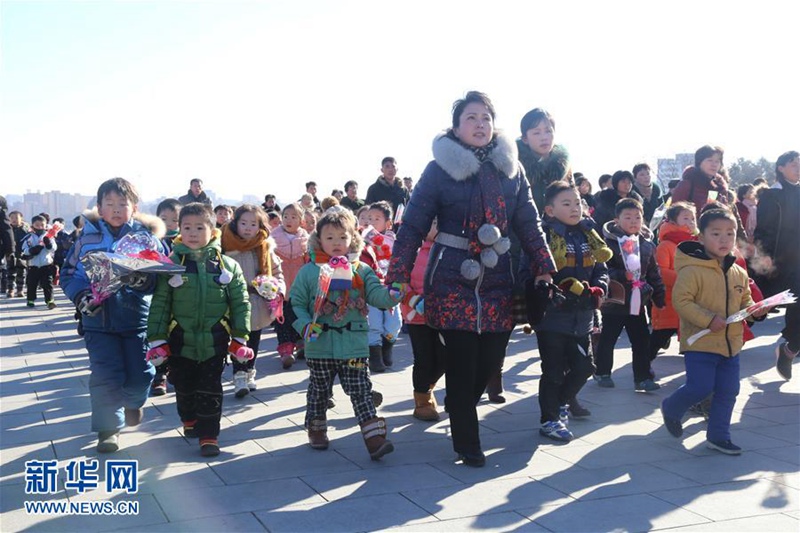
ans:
(387, 352)
(376, 359)
(494, 388)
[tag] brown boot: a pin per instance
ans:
(374, 433)
(318, 434)
(494, 388)
(425, 407)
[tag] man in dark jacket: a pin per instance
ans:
(351, 200)
(195, 194)
(777, 238)
(388, 187)
(7, 248)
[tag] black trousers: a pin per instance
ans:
(636, 326)
(658, 339)
(41, 277)
(198, 392)
(566, 365)
(253, 342)
(430, 356)
(470, 359)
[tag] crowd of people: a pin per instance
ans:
(497, 232)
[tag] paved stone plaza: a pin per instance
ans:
(622, 473)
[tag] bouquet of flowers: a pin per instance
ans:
(381, 243)
(135, 255)
(629, 245)
(268, 288)
(782, 298)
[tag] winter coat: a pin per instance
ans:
(352, 205)
(126, 309)
(777, 233)
(653, 203)
(38, 249)
(293, 253)
(574, 316)
(670, 235)
(20, 232)
(541, 172)
(703, 289)
(261, 314)
(695, 187)
(606, 202)
(350, 338)
(64, 242)
(417, 283)
(395, 193)
(190, 198)
(7, 241)
(654, 288)
(199, 316)
(445, 191)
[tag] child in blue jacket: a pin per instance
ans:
(115, 330)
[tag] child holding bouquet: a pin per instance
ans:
(634, 272)
(114, 329)
(246, 239)
(194, 348)
(329, 297)
(292, 247)
(39, 248)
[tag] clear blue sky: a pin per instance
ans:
(258, 96)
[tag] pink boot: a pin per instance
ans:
(285, 350)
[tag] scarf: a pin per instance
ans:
(338, 307)
(488, 203)
(259, 244)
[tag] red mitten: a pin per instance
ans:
(240, 351)
(158, 354)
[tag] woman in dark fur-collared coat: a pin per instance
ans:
(477, 192)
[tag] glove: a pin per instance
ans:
(47, 241)
(35, 250)
(398, 290)
(135, 280)
(417, 304)
(312, 331)
(87, 306)
(596, 294)
(239, 351)
(158, 353)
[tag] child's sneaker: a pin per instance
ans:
(556, 430)
(563, 414)
(784, 363)
(108, 441)
(251, 379)
(188, 429)
(647, 385)
(209, 448)
(576, 410)
(51, 304)
(726, 447)
(604, 381)
(240, 384)
(30, 303)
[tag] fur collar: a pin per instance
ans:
(151, 222)
(460, 163)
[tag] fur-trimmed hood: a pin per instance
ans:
(612, 231)
(556, 165)
(154, 224)
(460, 163)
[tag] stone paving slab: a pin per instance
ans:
(623, 471)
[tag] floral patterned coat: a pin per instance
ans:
(445, 191)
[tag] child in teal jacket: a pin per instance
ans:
(336, 333)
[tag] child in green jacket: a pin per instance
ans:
(336, 328)
(192, 319)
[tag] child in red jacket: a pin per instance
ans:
(429, 352)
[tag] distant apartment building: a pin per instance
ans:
(672, 169)
(56, 203)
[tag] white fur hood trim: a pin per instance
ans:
(151, 222)
(460, 163)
